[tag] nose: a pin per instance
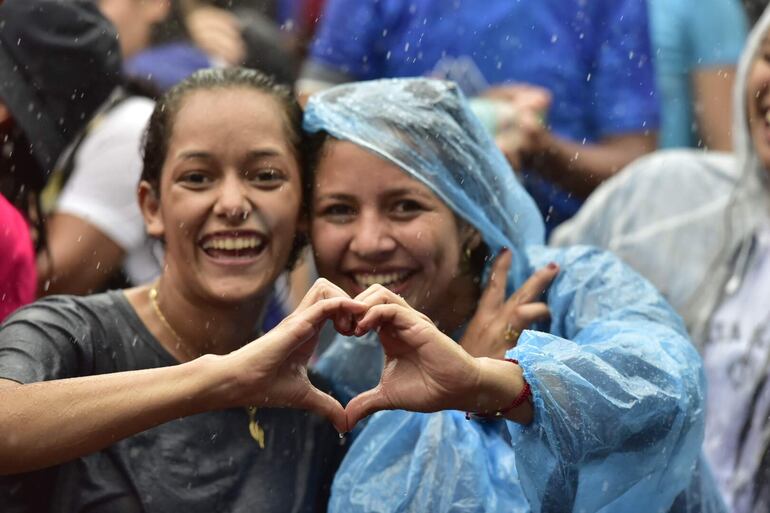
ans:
(373, 237)
(233, 202)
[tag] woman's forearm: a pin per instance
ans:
(500, 383)
(46, 423)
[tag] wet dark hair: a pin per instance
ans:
(161, 126)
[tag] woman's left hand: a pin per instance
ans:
(497, 323)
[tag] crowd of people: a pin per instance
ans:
(517, 252)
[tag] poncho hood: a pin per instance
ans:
(426, 128)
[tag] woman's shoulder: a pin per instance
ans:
(647, 196)
(588, 270)
(568, 256)
(66, 336)
(64, 310)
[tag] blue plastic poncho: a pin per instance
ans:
(617, 387)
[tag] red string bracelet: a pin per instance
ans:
(524, 395)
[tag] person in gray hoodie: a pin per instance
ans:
(697, 224)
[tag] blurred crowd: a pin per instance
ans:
(641, 127)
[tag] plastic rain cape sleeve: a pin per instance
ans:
(618, 388)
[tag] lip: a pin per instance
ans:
(237, 257)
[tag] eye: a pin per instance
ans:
(195, 179)
(266, 177)
(407, 208)
(337, 212)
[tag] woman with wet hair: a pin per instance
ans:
(169, 396)
(598, 406)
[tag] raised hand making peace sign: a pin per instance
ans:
(498, 322)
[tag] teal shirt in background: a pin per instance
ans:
(688, 35)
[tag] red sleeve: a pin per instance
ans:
(18, 276)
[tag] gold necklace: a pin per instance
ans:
(256, 431)
(154, 302)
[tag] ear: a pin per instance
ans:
(5, 114)
(6, 119)
(149, 204)
(470, 237)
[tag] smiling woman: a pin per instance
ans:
(231, 190)
(94, 389)
(598, 407)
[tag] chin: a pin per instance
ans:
(234, 293)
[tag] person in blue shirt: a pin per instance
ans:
(696, 45)
(592, 57)
(600, 408)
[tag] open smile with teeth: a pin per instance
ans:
(233, 246)
(385, 279)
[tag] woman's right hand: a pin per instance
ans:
(497, 323)
(272, 370)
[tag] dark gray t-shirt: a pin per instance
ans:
(203, 463)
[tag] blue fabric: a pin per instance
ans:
(618, 389)
(593, 56)
(166, 65)
(274, 314)
(687, 36)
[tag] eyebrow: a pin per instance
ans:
(251, 155)
(336, 196)
(388, 194)
(407, 191)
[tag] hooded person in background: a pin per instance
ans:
(45, 104)
(698, 226)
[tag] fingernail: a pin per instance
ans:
(504, 250)
(553, 266)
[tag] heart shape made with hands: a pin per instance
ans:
(424, 369)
